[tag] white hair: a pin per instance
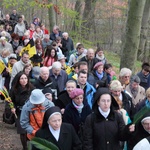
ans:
(56, 65)
(125, 71)
(65, 33)
(43, 69)
(46, 36)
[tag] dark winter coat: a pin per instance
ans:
(53, 36)
(72, 116)
(68, 139)
(67, 45)
(103, 82)
(141, 104)
(104, 134)
(19, 97)
(144, 80)
(40, 84)
(91, 63)
(60, 82)
(63, 99)
(139, 134)
(127, 104)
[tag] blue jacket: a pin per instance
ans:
(89, 91)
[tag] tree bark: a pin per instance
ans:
(78, 6)
(132, 35)
(144, 31)
(88, 17)
(51, 16)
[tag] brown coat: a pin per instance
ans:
(140, 95)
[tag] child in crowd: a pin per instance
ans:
(110, 72)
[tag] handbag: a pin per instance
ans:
(8, 116)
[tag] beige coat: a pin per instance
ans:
(140, 95)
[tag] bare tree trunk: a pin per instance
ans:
(144, 30)
(132, 35)
(78, 10)
(51, 16)
(88, 17)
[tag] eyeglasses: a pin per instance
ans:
(126, 76)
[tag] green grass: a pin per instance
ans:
(114, 59)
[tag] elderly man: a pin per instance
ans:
(120, 99)
(44, 79)
(46, 41)
(90, 59)
(136, 91)
(55, 33)
(89, 90)
(58, 76)
(124, 76)
(4, 45)
(67, 44)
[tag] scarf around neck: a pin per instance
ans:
(78, 107)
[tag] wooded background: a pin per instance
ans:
(120, 26)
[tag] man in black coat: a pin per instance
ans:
(90, 59)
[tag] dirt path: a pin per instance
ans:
(9, 139)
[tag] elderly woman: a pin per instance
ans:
(61, 134)
(104, 128)
(99, 74)
(142, 131)
(124, 76)
(136, 91)
(76, 112)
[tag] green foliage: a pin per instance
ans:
(43, 144)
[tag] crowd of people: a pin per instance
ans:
(70, 95)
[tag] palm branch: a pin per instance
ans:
(43, 144)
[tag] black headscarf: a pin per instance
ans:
(48, 113)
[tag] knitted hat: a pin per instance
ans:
(98, 64)
(47, 91)
(37, 97)
(76, 92)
